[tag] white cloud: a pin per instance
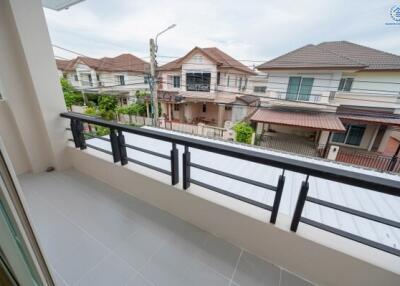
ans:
(250, 29)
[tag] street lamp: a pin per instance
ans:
(153, 72)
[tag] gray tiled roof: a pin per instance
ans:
(340, 54)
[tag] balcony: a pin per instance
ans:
(313, 101)
(120, 240)
(146, 207)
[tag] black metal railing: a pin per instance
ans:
(378, 184)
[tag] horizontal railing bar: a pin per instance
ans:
(232, 176)
(354, 212)
(147, 151)
(351, 236)
(97, 137)
(359, 179)
(99, 149)
(149, 166)
(232, 195)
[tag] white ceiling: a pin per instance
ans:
(59, 4)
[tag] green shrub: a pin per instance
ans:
(107, 103)
(243, 132)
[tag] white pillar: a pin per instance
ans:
(221, 112)
(31, 84)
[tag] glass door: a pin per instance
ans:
(21, 260)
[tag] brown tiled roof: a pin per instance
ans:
(222, 59)
(368, 115)
(312, 120)
(335, 55)
(248, 98)
(123, 62)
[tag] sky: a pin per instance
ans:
(256, 30)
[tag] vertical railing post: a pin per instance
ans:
(115, 145)
(77, 133)
(186, 168)
(174, 165)
(394, 159)
(300, 205)
(278, 196)
(122, 148)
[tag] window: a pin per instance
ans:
(245, 84)
(146, 79)
(218, 78)
(262, 89)
(228, 80)
(228, 107)
(198, 81)
(204, 107)
(121, 79)
(299, 88)
(124, 101)
(345, 84)
(352, 136)
(177, 81)
(89, 76)
(98, 77)
(240, 83)
(176, 107)
(76, 77)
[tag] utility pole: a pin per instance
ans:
(153, 75)
(153, 81)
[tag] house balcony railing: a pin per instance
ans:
(198, 87)
(378, 184)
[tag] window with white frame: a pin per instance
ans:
(261, 89)
(299, 88)
(353, 135)
(120, 79)
(76, 77)
(177, 81)
(345, 84)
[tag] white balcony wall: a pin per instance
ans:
(31, 84)
(12, 140)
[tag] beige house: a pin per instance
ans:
(206, 85)
(316, 87)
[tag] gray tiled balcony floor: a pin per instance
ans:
(93, 234)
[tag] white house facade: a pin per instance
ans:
(122, 76)
(206, 85)
(358, 85)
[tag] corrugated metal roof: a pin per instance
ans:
(314, 120)
(349, 196)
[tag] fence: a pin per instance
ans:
(119, 148)
(290, 143)
(369, 160)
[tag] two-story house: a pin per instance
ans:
(206, 85)
(122, 75)
(334, 92)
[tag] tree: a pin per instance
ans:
(243, 132)
(71, 97)
(107, 107)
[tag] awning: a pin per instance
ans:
(370, 119)
(312, 120)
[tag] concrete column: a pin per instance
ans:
(221, 112)
(169, 111)
(385, 139)
(31, 84)
(371, 143)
